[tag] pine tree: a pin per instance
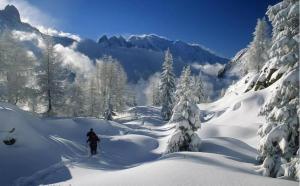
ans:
(257, 53)
(186, 117)
(167, 87)
(197, 89)
(284, 50)
(280, 134)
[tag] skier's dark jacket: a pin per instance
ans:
(92, 137)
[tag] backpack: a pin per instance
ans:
(94, 138)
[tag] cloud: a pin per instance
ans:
(29, 36)
(210, 69)
(77, 61)
(53, 32)
(29, 13)
(31, 55)
(153, 80)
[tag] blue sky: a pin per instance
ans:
(225, 26)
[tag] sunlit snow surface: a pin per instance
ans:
(53, 151)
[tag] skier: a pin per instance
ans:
(93, 140)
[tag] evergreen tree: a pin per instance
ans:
(257, 53)
(280, 134)
(167, 87)
(284, 50)
(197, 89)
(186, 117)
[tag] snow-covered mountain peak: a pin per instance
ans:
(147, 36)
(102, 39)
(153, 42)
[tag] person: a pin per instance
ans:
(93, 140)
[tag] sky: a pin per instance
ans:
(224, 26)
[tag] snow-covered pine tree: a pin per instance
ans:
(167, 86)
(197, 89)
(284, 50)
(257, 53)
(280, 134)
(179, 88)
(52, 78)
(186, 117)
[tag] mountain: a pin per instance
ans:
(10, 19)
(140, 55)
(187, 52)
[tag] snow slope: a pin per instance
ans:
(235, 116)
(53, 151)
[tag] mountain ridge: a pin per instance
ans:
(150, 41)
(140, 55)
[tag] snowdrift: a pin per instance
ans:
(53, 150)
(236, 115)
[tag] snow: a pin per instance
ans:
(52, 151)
(204, 169)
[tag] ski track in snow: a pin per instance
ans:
(131, 151)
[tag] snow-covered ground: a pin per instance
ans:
(53, 151)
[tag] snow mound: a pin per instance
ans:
(236, 115)
(186, 168)
(31, 149)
